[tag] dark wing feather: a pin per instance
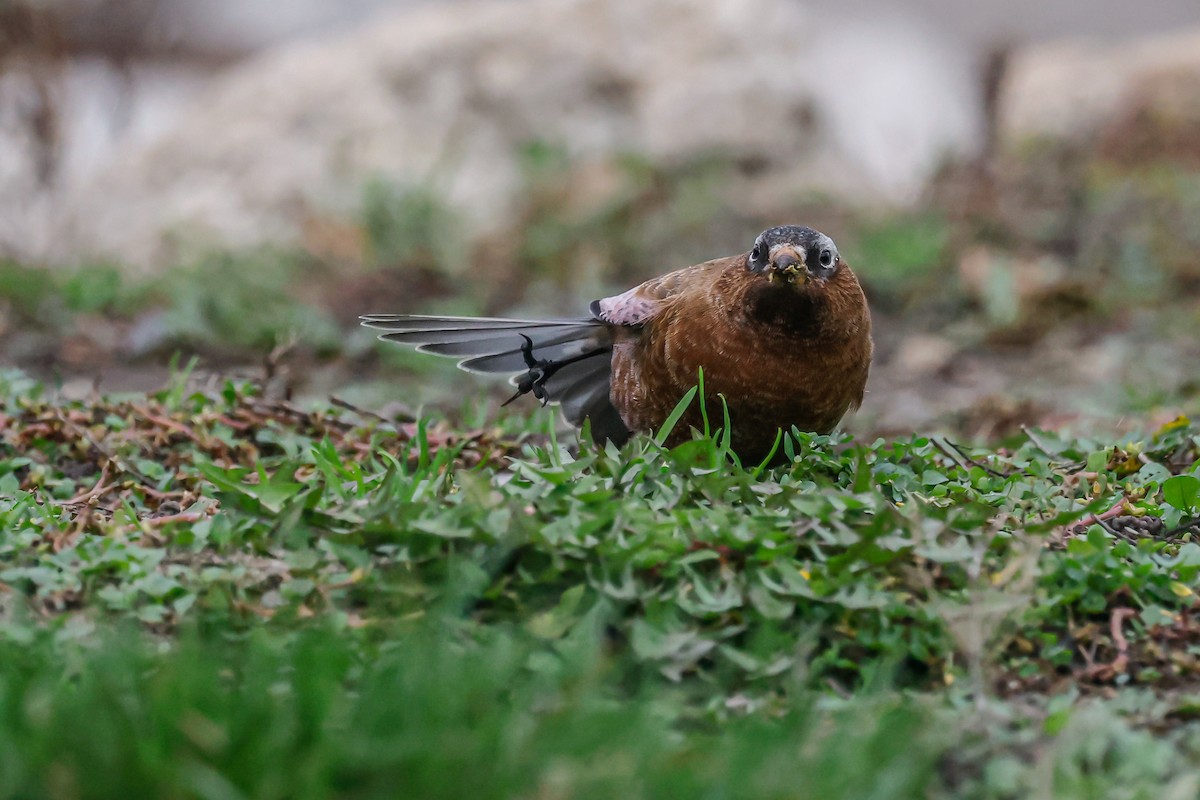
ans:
(466, 337)
(494, 345)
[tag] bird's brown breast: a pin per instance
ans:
(777, 355)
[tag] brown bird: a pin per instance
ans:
(782, 332)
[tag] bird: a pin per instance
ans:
(782, 333)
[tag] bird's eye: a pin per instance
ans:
(756, 253)
(827, 258)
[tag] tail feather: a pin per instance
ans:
(497, 345)
(479, 338)
(422, 322)
(488, 356)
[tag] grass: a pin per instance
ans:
(206, 592)
(210, 592)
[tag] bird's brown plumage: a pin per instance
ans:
(783, 346)
(776, 363)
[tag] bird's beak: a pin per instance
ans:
(787, 266)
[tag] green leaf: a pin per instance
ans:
(680, 409)
(768, 605)
(933, 478)
(553, 624)
(1182, 492)
(1097, 461)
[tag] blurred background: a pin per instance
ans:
(1017, 185)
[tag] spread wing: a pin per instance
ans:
(576, 354)
(583, 348)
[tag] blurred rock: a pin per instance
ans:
(1159, 123)
(443, 97)
(40, 177)
(1075, 89)
(219, 25)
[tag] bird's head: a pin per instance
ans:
(792, 255)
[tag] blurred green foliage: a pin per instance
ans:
(593, 226)
(1141, 232)
(427, 711)
(1115, 237)
(412, 226)
(33, 295)
(249, 302)
(233, 304)
(903, 258)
